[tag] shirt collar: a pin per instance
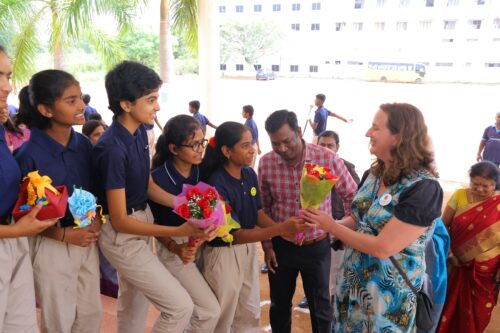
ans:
(123, 133)
(177, 178)
(52, 146)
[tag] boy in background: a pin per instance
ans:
(194, 108)
(321, 117)
(250, 123)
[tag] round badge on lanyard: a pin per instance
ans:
(385, 199)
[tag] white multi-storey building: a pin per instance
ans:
(458, 40)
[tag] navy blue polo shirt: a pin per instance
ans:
(242, 194)
(250, 123)
(68, 165)
(121, 161)
(320, 118)
(169, 179)
(202, 119)
(10, 177)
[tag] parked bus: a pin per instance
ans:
(395, 72)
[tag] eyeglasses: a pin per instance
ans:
(197, 145)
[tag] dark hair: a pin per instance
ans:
(129, 81)
(486, 169)
(321, 97)
(2, 49)
(176, 131)
(329, 134)
(90, 127)
(248, 109)
(227, 134)
(95, 116)
(195, 105)
(86, 98)
(279, 118)
(11, 126)
(45, 88)
(413, 151)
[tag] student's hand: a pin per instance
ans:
(190, 230)
(294, 224)
(317, 218)
(270, 259)
(259, 151)
(479, 158)
(210, 233)
(96, 224)
(186, 252)
(83, 237)
(29, 225)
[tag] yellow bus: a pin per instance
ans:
(395, 72)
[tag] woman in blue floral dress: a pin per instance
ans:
(392, 212)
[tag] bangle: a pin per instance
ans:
(64, 234)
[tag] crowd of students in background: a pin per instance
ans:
(210, 285)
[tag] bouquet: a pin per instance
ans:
(202, 206)
(83, 207)
(315, 184)
(35, 189)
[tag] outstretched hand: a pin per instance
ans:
(318, 218)
(29, 225)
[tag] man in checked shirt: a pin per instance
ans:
(279, 178)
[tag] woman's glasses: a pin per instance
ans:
(197, 145)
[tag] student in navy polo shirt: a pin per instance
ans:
(321, 117)
(232, 271)
(179, 151)
(250, 123)
(124, 183)
(17, 295)
(65, 260)
(194, 108)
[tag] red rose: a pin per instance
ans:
(204, 203)
(183, 211)
(210, 194)
(228, 208)
(206, 213)
(194, 191)
(327, 169)
(310, 166)
(221, 198)
(315, 173)
(330, 175)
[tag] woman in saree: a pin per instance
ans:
(473, 219)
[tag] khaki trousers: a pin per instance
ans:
(67, 285)
(233, 274)
(142, 279)
(17, 294)
(206, 310)
(335, 263)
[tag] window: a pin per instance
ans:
(339, 26)
(294, 68)
(222, 9)
(295, 6)
(401, 26)
(452, 3)
(380, 3)
(496, 39)
(472, 40)
(275, 68)
(425, 25)
(276, 7)
(239, 67)
(444, 64)
(257, 8)
(492, 64)
(379, 26)
(404, 3)
(296, 26)
(429, 3)
(475, 24)
(257, 67)
(313, 69)
(239, 9)
(447, 40)
(223, 67)
(316, 6)
(315, 26)
(496, 23)
(358, 4)
(357, 26)
(480, 2)
(450, 25)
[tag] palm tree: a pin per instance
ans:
(66, 21)
(185, 22)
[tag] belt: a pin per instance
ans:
(136, 208)
(5, 220)
(312, 241)
(218, 242)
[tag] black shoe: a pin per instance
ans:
(264, 269)
(303, 304)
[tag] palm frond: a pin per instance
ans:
(110, 48)
(185, 21)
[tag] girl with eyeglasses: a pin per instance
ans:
(179, 151)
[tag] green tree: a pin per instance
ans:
(66, 22)
(249, 41)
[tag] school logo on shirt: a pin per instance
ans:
(253, 191)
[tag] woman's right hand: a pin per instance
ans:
(29, 225)
(83, 237)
